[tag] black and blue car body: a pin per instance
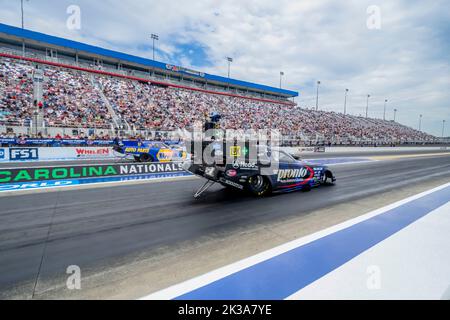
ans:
(288, 175)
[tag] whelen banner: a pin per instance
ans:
(24, 175)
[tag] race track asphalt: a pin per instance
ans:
(41, 234)
(307, 155)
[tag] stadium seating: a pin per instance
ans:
(16, 92)
(77, 99)
(70, 99)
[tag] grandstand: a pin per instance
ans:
(84, 93)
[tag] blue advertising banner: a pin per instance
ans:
(55, 142)
(64, 142)
(7, 140)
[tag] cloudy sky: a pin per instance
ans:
(400, 52)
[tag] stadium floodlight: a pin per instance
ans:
(443, 128)
(385, 105)
(317, 97)
(395, 115)
(281, 77)
(230, 60)
(420, 122)
(345, 102)
(155, 37)
(367, 107)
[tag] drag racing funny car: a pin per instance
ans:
(281, 174)
(150, 151)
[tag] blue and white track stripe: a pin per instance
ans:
(283, 271)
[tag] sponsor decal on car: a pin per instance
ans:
(232, 184)
(287, 174)
(245, 165)
(211, 172)
(318, 172)
(295, 175)
(231, 173)
(136, 150)
(164, 155)
(235, 151)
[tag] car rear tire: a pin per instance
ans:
(259, 186)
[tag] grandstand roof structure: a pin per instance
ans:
(59, 49)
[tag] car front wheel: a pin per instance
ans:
(327, 178)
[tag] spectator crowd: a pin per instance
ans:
(75, 99)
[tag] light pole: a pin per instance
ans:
(230, 60)
(23, 26)
(155, 37)
(367, 107)
(345, 102)
(420, 122)
(281, 77)
(21, 9)
(317, 98)
(395, 115)
(443, 128)
(384, 114)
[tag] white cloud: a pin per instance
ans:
(407, 61)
